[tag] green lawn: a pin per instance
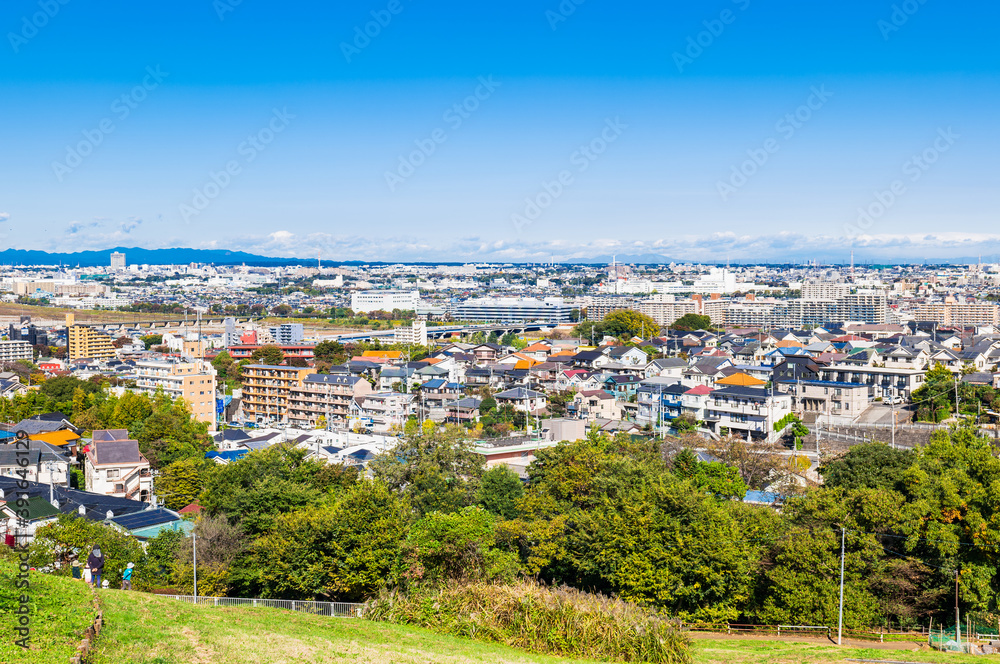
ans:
(61, 609)
(150, 629)
(753, 651)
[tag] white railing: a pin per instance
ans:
(331, 609)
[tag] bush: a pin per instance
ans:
(558, 621)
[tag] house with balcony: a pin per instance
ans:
(746, 411)
(381, 412)
(324, 395)
(114, 466)
(593, 404)
(193, 381)
(622, 386)
(434, 395)
(831, 402)
(881, 381)
(659, 400)
(463, 411)
(523, 399)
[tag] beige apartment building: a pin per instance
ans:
(193, 381)
(324, 395)
(84, 341)
(266, 389)
(950, 312)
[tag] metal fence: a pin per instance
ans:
(330, 609)
(823, 631)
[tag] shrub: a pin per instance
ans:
(558, 621)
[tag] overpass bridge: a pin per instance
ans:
(443, 331)
(111, 326)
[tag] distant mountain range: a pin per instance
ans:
(136, 255)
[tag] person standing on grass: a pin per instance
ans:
(96, 564)
(76, 569)
(127, 577)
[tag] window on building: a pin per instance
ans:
(114, 474)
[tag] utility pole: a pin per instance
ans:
(840, 620)
(958, 625)
(892, 410)
(194, 558)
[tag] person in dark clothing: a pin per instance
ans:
(96, 564)
(76, 569)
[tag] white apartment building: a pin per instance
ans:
(11, 351)
(665, 309)
(288, 334)
(381, 412)
(193, 381)
(414, 334)
(384, 300)
(746, 410)
(824, 290)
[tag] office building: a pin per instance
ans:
(384, 300)
(117, 260)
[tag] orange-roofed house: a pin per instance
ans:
(788, 343)
(60, 438)
(382, 356)
(741, 379)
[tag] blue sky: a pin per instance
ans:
(674, 101)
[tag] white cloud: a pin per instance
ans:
(4, 216)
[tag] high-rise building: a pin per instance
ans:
(83, 341)
(117, 260)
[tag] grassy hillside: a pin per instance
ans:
(148, 629)
(61, 610)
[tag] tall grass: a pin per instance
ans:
(557, 621)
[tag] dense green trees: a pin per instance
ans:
(691, 322)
